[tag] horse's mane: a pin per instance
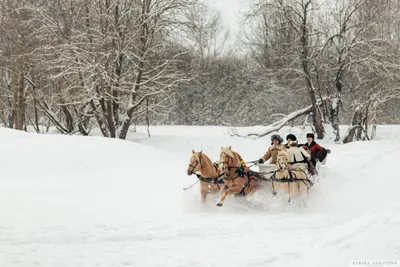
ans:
(283, 153)
(207, 167)
(204, 156)
(208, 160)
(228, 151)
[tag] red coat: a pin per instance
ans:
(314, 148)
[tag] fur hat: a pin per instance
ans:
(311, 135)
(291, 137)
(276, 137)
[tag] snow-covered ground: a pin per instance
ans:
(90, 201)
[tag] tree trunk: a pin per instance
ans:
(100, 122)
(144, 39)
(83, 120)
(69, 120)
(52, 117)
(103, 127)
(3, 119)
(118, 69)
(374, 122)
(82, 128)
(127, 123)
(36, 114)
(364, 121)
(147, 117)
(317, 118)
(35, 109)
(10, 109)
(355, 126)
(19, 99)
(335, 106)
(107, 106)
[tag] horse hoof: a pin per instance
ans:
(274, 193)
(219, 204)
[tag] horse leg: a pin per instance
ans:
(203, 196)
(274, 188)
(227, 192)
(303, 191)
(224, 187)
(203, 192)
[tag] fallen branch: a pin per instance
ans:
(276, 126)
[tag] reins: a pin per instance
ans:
(291, 180)
(211, 180)
(187, 188)
(194, 167)
(252, 163)
(292, 177)
(251, 176)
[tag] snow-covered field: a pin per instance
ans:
(89, 201)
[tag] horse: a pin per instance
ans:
(208, 174)
(236, 175)
(294, 182)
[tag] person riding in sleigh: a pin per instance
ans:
(317, 152)
(273, 150)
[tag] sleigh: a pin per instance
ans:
(267, 168)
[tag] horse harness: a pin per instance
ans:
(292, 178)
(211, 180)
(250, 175)
(194, 167)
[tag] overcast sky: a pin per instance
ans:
(231, 13)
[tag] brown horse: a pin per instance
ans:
(209, 174)
(293, 182)
(232, 164)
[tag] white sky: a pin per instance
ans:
(231, 14)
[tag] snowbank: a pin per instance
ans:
(89, 201)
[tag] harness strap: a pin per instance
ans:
(242, 162)
(211, 180)
(286, 180)
(292, 179)
(217, 168)
(243, 192)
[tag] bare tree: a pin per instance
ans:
(105, 58)
(291, 23)
(18, 41)
(83, 64)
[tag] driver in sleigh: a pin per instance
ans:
(273, 150)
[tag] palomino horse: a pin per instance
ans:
(236, 175)
(209, 174)
(292, 181)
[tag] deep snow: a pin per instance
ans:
(90, 201)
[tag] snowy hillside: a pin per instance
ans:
(89, 201)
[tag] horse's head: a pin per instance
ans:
(283, 160)
(228, 160)
(195, 162)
